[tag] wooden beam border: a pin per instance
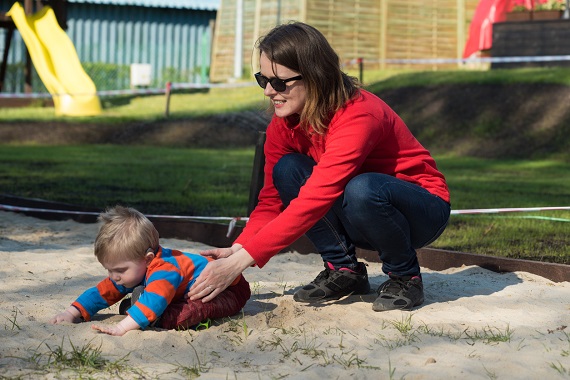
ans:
(216, 235)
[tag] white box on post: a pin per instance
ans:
(141, 74)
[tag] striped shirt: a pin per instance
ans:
(169, 277)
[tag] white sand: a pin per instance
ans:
(46, 265)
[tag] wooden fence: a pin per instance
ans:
(375, 30)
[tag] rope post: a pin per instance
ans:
(168, 90)
(360, 69)
(257, 172)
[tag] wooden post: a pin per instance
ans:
(28, 9)
(461, 39)
(257, 172)
(7, 42)
(168, 91)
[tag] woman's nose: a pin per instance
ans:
(268, 91)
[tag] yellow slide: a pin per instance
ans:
(57, 63)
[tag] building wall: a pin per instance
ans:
(171, 40)
(108, 38)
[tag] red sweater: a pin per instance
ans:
(365, 136)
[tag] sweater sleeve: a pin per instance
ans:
(105, 294)
(349, 140)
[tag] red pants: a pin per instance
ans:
(185, 314)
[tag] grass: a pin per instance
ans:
(196, 103)
(481, 183)
(209, 182)
(150, 108)
(300, 346)
(398, 79)
(410, 334)
(158, 180)
(84, 361)
(489, 335)
(237, 329)
(12, 321)
(194, 371)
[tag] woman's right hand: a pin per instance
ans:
(218, 275)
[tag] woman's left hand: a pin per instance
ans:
(218, 275)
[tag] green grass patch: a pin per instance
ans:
(183, 104)
(483, 183)
(154, 180)
(487, 183)
(192, 103)
(211, 182)
(496, 76)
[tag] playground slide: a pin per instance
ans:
(57, 63)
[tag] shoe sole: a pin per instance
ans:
(333, 297)
(374, 308)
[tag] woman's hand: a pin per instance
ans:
(219, 274)
(217, 253)
(220, 253)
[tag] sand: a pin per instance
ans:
(475, 324)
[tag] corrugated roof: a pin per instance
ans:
(209, 5)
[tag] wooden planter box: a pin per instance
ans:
(519, 16)
(546, 15)
(533, 15)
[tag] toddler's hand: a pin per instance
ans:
(66, 316)
(110, 330)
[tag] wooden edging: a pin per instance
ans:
(216, 235)
(439, 259)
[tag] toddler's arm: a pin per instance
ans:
(120, 328)
(71, 314)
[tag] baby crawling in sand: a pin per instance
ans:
(127, 246)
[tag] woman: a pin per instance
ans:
(342, 168)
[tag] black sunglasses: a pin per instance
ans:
(277, 84)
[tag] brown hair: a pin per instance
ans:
(125, 235)
(303, 49)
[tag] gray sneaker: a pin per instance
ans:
(332, 284)
(399, 293)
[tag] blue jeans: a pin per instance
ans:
(376, 212)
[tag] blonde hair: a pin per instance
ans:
(303, 49)
(125, 235)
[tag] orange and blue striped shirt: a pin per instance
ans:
(169, 277)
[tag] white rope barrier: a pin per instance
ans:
(423, 61)
(502, 210)
(187, 86)
(233, 220)
(142, 91)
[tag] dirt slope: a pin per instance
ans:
(519, 120)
